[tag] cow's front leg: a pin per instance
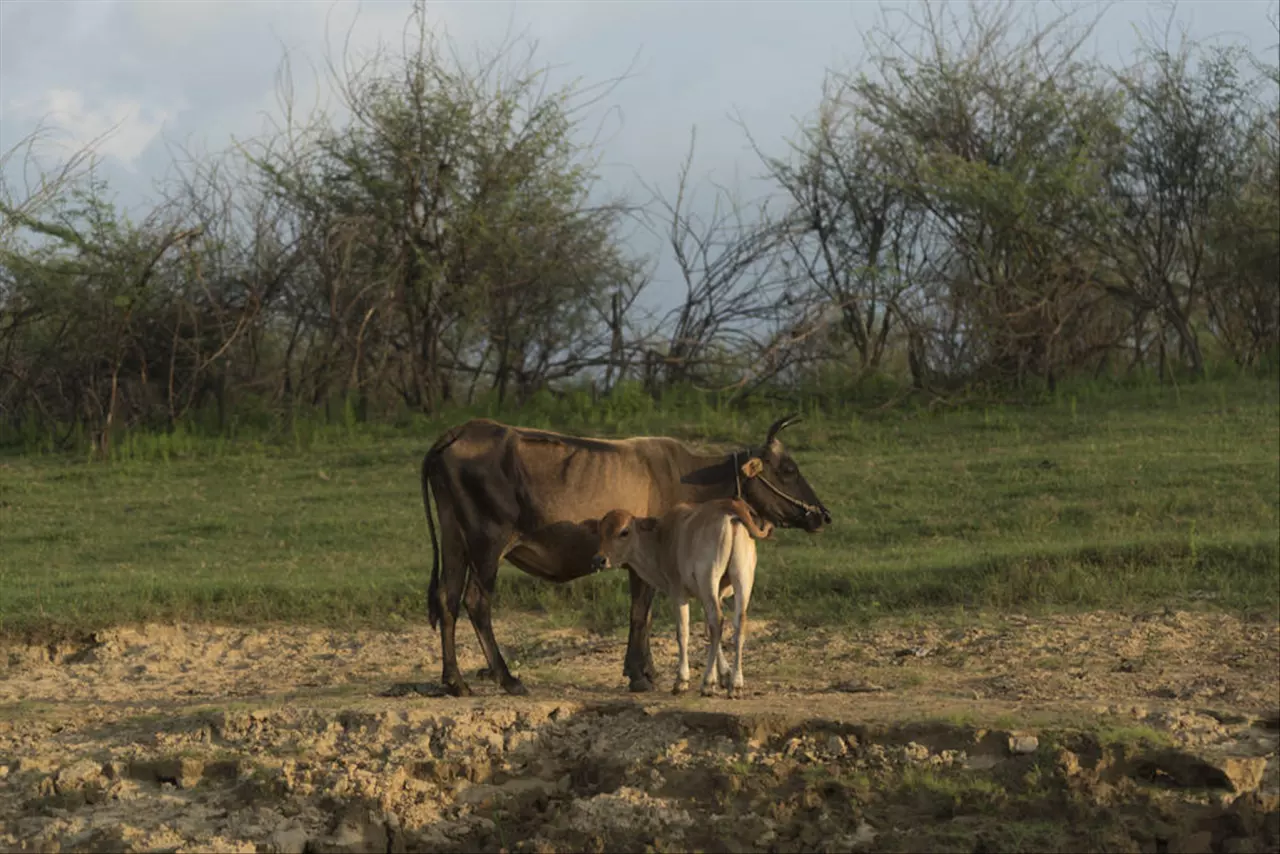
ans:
(638, 665)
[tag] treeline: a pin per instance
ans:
(981, 204)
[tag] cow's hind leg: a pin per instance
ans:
(453, 577)
(638, 665)
(479, 594)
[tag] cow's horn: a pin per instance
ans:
(780, 425)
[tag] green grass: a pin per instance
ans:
(1105, 498)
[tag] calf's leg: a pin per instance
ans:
(715, 624)
(724, 675)
(742, 575)
(682, 640)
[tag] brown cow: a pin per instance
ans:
(693, 551)
(530, 496)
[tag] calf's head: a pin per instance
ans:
(619, 536)
(775, 488)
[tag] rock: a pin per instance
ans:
(292, 840)
(1257, 815)
(1197, 843)
(1020, 745)
(915, 752)
(863, 836)
(857, 686)
(981, 762)
(1068, 762)
(482, 794)
(1234, 773)
(1244, 772)
(183, 773)
(86, 772)
(352, 836)
(836, 746)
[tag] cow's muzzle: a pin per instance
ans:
(599, 562)
(816, 518)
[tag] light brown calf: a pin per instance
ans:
(697, 551)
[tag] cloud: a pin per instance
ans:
(122, 127)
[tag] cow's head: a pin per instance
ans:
(772, 484)
(619, 532)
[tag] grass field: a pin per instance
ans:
(1105, 498)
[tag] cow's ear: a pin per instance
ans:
(752, 467)
(646, 523)
(592, 526)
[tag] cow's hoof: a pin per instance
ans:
(515, 687)
(484, 673)
(737, 692)
(458, 689)
(640, 685)
(726, 681)
(680, 687)
(708, 690)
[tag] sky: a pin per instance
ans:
(197, 73)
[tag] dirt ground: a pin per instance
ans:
(1102, 731)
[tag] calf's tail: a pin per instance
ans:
(743, 513)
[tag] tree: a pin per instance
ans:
(1003, 141)
(1187, 125)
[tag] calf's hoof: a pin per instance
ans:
(737, 692)
(515, 687)
(726, 680)
(457, 688)
(680, 687)
(640, 684)
(708, 690)
(484, 673)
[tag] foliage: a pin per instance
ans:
(981, 208)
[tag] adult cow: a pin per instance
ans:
(530, 495)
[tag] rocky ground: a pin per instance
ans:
(1103, 731)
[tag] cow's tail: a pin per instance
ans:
(434, 611)
(433, 589)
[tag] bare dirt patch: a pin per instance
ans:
(1148, 732)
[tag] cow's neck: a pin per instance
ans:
(706, 477)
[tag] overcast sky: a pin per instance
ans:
(196, 72)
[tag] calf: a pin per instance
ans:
(694, 550)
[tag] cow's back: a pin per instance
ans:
(553, 477)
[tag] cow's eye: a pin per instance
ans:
(624, 532)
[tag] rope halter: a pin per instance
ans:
(754, 468)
